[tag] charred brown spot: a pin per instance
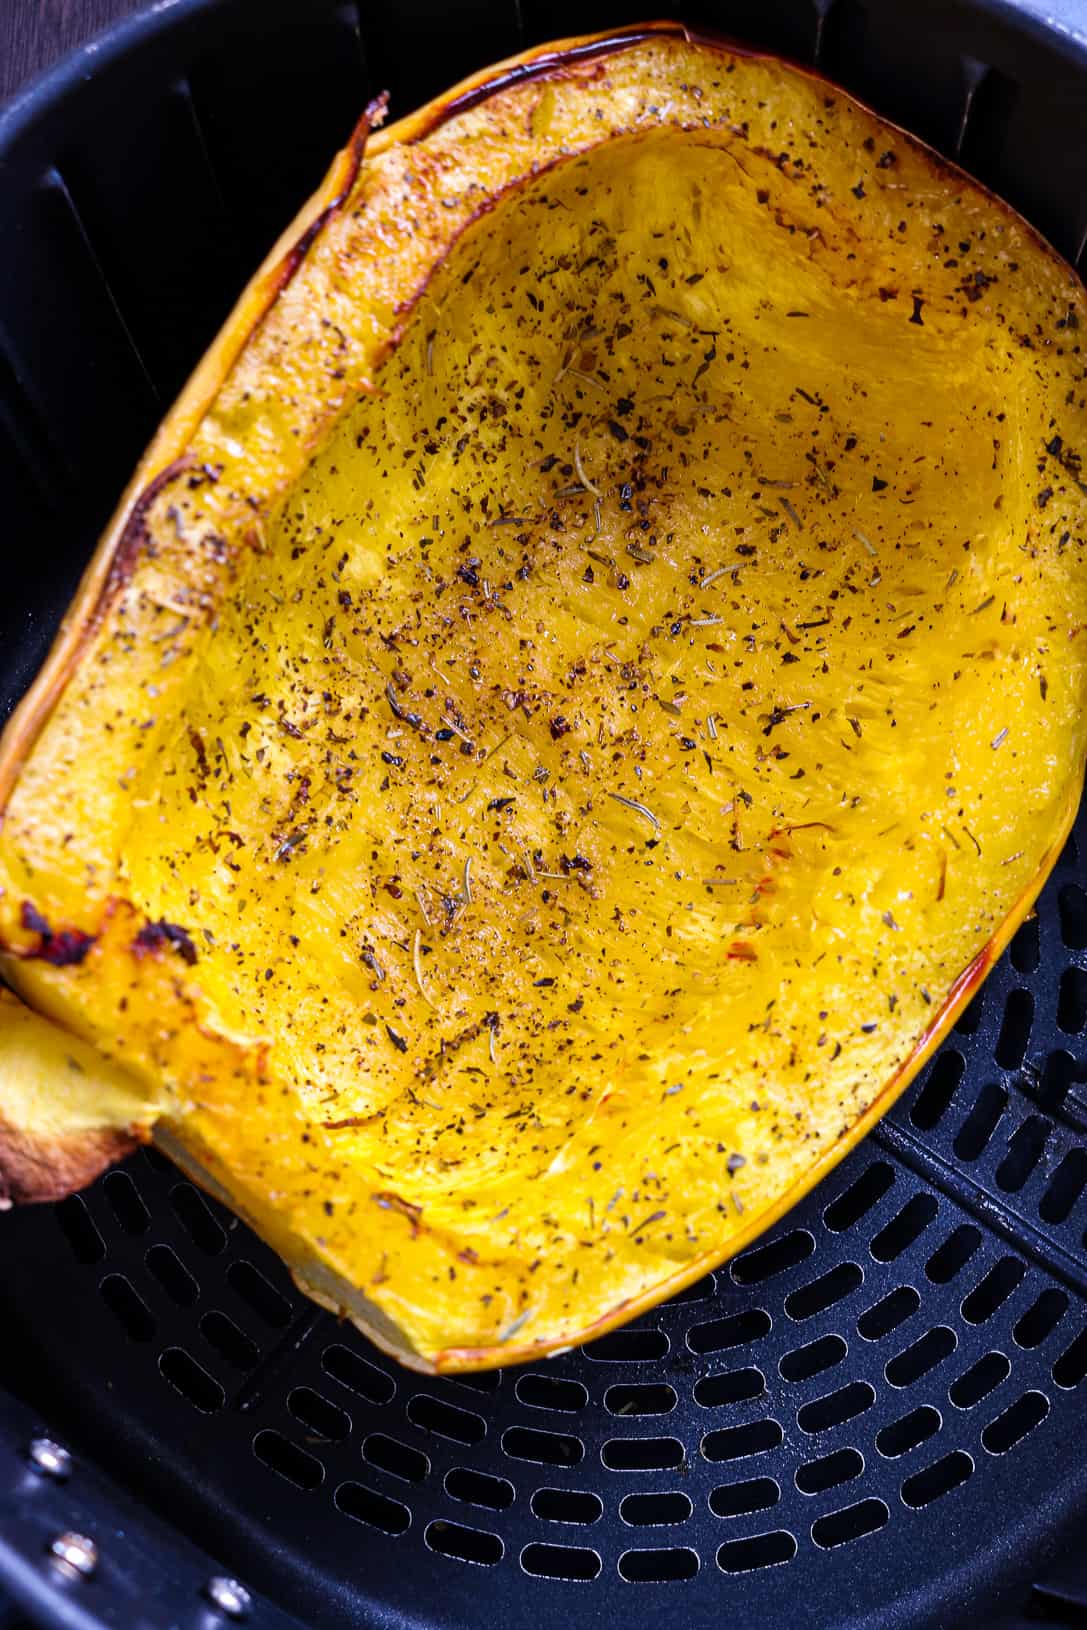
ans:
(62, 947)
(394, 1202)
(154, 937)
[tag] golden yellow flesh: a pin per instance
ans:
(70, 1106)
(614, 747)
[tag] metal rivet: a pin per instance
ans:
(75, 1553)
(49, 1458)
(228, 1596)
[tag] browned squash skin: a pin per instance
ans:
(579, 692)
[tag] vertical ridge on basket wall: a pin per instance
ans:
(255, 90)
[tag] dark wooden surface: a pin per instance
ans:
(34, 33)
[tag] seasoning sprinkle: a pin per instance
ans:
(455, 728)
(582, 477)
(418, 966)
(790, 510)
(517, 1324)
(673, 316)
(401, 713)
(639, 809)
(588, 379)
(723, 571)
(820, 473)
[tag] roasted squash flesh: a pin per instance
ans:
(587, 681)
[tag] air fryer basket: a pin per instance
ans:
(878, 1413)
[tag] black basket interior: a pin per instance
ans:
(876, 1414)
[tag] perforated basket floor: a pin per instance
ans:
(878, 1413)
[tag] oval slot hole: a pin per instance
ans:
(479, 1488)
(570, 1562)
(191, 1379)
(908, 1432)
(324, 1419)
(934, 1099)
(228, 1341)
(128, 1307)
(647, 1399)
(474, 1545)
(860, 1197)
(905, 1228)
(738, 1442)
(366, 1505)
(655, 1510)
(1003, 1278)
(731, 1387)
(658, 1567)
(567, 1505)
(176, 1280)
(720, 1335)
(851, 1523)
(446, 1420)
(642, 1454)
(982, 1378)
(392, 1456)
(544, 1448)
(829, 1472)
(285, 1458)
(551, 1392)
(836, 1408)
(357, 1375)
(804, 1362)
(757, 1551)
(939, 1479)
(754, 1267)
(259, 1294)
(1012, 1426)
(825, 1291)
(888, 1313)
